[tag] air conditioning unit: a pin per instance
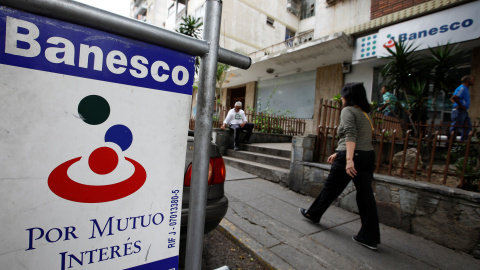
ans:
(292, 7)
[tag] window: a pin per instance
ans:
(270, 21)
(171, 9)
(289, 34)
(295, 93)
(308, 9)
(292, 6)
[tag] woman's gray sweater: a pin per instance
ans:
(354, 127)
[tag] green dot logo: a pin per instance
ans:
(93, 110)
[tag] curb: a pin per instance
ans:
(267, 258)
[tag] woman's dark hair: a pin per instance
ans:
(355, 95)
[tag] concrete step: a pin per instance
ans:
(267, 149)
(269, 172)
(261, 158)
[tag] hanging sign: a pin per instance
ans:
(93, 136)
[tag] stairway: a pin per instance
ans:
(270, 161)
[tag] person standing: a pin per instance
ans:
(461, 103)
(237, 121)
(389, 102)
(354, 159)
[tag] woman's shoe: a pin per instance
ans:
(303, 211)
(367, 245)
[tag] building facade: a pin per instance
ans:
(304, 50)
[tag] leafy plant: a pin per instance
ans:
(403, 67)
(404, 70)
(472, 173)
(443, 60)
(338, 100)
(221, 76)
(190, 26)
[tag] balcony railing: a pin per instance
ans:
(283, 46)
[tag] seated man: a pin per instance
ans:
(237, 121)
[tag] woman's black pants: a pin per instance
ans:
(336, 182)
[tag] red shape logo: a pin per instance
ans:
(64, 187)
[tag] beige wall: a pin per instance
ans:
(244, 28)
(250, 91)
(328, 84)
(342, 15)
(474, 110)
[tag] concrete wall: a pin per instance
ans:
(342, 15)
(224, 138)
(306, 25)
(448, 216)
(361, 73)
(244, 28)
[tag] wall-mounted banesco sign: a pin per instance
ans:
(453, 25)
(92, 139)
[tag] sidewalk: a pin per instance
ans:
(264, 217)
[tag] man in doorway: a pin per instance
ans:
(237, 121)
(389, 102)
(461, 103)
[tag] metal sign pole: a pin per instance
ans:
(203, 129)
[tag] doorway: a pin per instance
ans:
(237, 94)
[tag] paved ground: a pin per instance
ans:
(219, 251)
(264, 218)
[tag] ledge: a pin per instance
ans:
(429, 187)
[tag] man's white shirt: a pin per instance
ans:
(234, 117)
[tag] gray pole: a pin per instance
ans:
(203, 129)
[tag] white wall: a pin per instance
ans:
(361, 73)
(306, 24)
(336, 18)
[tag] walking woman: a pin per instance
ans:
(354, 159)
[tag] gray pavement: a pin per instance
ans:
(264, 218)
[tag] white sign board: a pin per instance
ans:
(93, 137)
(366, 47)
(453, 25)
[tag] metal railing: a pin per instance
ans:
(436, 154)
(283, 46)
(264, 123)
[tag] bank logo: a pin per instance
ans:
(390, 43)
(368, 46)
(95, 110)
